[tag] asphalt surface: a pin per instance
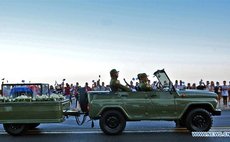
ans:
(69, 131)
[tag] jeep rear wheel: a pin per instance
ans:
(15, 129)
(112, 122)
(199, 120)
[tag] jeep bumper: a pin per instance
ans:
(216, 112)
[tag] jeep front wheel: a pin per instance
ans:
(199, 120)
(112, 122)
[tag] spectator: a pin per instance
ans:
(229, 91)
(51, 89)
(76, 93)
(108, 88)
(87, 88)
(217, 90)
(137, 86)
(94, 86)
(181, 86)
(194, 86)
(207, 85)
(201, 85)
(176, 84)
(225, 93)
(103, 88)
(189, 86)
(71, 89)
(132, 87)
(67, 92)
(98, 86)
(212, 87)
(154, 85)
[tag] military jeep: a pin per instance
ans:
(192, 109)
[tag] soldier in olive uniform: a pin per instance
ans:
(143, 85)
(115, 84)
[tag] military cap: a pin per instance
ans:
(139, 76)
(113, 71)
(142, 75)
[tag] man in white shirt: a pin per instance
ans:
(224, 93)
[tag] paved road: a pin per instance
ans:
(68, 131)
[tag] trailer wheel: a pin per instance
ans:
(15, 129)
(112, 122)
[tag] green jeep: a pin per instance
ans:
(192, 109)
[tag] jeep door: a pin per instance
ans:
(163, 98)
(137, 105)
(163, 105)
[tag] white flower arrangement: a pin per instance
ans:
(3, 99)
(52, 97)
(24, 98)
(57, 97)
(42, 98)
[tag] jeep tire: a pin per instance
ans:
(199, 120)
(112, 122)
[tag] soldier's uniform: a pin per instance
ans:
(115, 84)
(143, 85)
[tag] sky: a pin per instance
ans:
(49, 40)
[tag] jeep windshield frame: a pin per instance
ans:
(164, 80)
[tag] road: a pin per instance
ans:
(69, 131)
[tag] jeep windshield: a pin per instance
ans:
(164, 80)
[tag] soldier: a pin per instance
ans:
(143, 85)
(115, 84)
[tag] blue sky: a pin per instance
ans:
(48, 40)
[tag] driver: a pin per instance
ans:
(143, 85)
(115, 84)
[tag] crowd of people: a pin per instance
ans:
(222, 90)
(71, 90)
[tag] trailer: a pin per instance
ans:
(25, 106)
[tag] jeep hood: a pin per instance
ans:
(196, 94)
